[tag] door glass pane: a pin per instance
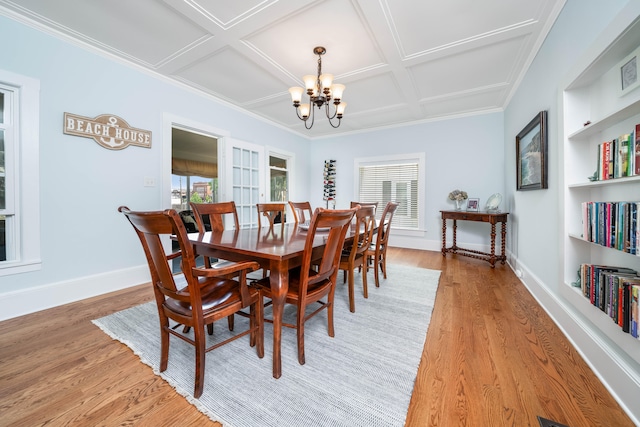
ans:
(3, 204)
(3, 238)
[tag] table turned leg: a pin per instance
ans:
(444, 237)
(504, 235)
(455, 229)
(492, 260)
(279, 281)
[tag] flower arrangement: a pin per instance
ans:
(458, 195)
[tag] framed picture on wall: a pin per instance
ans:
(531, 154)
(629, 73)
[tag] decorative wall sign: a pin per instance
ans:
(108, 130)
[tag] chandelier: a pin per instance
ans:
(320, 91)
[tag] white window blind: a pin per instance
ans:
(396, 182)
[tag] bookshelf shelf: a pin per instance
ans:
(593, 95)
(616, 181)
(611, 119)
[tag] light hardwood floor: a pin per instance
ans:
(492, 358)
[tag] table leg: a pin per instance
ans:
(492, 260)
(455, 229)
(444, 237)
(504, 235)
(279, 281)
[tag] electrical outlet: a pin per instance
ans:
(149, 181)
(548, 423)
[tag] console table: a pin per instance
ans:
(491, 218)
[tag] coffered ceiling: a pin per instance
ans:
(402, 61)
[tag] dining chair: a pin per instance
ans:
(273, 212)
(374, 204)
(302, 211)
(214, 214)
(308, 286)
(197, 297)
(354, 256)
(376, 254)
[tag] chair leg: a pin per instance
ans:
(210, 328)
(260, 322)
(300, 331)
(352, 292)
(383, 262)
(365, 289)
(330, 314)
(164, 345)
(200, 359)
(252, 325)
(230, 320)
(375, 271)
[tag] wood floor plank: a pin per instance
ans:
(492, 357)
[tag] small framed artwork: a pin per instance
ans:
(472, 205)
(531, 154)
(629, 73)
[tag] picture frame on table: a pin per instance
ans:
(628, 71)
(531, 154)
(473, 205)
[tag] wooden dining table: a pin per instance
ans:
(278, 249)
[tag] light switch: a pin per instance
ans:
(149, 181)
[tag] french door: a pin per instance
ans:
(244, 183)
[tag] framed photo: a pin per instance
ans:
(531, 154)
(472, 205)
(628, 70)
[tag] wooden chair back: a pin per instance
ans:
(216, 214)
(183, 297)
(308, 286)
(363, 204)
(378, 253)
(272, 211)
(334, 225)
(385, 224)
(302, 211)
(355, 257)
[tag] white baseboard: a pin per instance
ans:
(21, 302)
(619, 374)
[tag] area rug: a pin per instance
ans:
(364, 376)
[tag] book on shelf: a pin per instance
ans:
(612, 224)
(619, 157)
(613, 290)
(635, 293)
(636, 151)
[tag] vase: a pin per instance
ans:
(459, 204)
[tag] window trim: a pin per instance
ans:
(395, 160)
(27, 160)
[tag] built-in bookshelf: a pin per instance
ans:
(595, 112)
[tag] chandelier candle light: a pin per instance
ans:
(320, 91)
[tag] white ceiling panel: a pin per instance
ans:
(486, 66)
(231, 76)
(423, 26)
(402, 61)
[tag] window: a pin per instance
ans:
(19, 171)
(278, 179)
(396, 179)
(194, 168)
